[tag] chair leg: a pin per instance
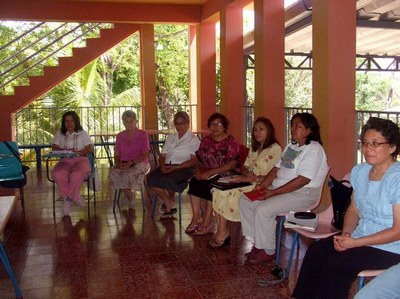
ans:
(154, 206)
(117, 194)
(21, 195)
(361, 282)
(88, 197)
(180, 206)
(279, 239)
(7, 265)
(54, 199)
(295, 241)
(142, 197)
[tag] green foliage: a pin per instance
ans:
(373, 91)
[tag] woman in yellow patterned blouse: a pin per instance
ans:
(265, 151)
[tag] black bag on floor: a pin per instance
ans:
(341, 196)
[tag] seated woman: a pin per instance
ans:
(131, 158)
(370, 238)
(218, 154)
(177, 164)
(69, 173)
(293, 184)
(265, 151)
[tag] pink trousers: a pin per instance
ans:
(69, 174)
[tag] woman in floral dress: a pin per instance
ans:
(218, 154)
(265, 151)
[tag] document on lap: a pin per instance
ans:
(256, 194)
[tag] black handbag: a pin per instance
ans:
(341, 198)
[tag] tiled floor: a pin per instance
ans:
(123, 255)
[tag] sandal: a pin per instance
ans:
(220, 243)
(202, 230)
(192, 228)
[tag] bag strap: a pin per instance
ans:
(12, 150)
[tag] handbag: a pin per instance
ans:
(341, 192)
(13, 169)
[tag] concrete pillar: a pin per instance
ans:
(148, 77)
(232, 73)
(206, 72)
(334, 54)
(269, 50)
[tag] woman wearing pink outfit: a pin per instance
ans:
(69, 173)
(130, 154)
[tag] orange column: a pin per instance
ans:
(269, 50)
(206, 72)
(193, 94)
(148, 78)
(334, 53)
(232, 73)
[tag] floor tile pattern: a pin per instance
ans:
(125, 255)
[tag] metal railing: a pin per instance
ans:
(38, 45)
(35, 127)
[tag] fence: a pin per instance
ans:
(35, 127)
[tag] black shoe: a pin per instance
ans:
(167, 215)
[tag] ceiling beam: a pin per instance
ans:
(71, 11)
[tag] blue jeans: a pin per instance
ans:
(384, 286)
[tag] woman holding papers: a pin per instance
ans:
(370, 238)
(293, 184)
(69, 173)
(265, 151)
(218, 154)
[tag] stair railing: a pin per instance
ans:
(27, 60)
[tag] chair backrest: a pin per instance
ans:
(243, 153)
(10, 165)
(91, 161)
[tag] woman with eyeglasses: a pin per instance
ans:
(218, 154)
(177, 164)
(370, 238)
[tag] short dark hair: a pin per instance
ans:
(75, 117)
(270, 140)
(217, 115)
(389, 130)
(310, 122)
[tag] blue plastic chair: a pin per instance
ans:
(11, 167)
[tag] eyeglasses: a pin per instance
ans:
(216, 125)
(373, 144)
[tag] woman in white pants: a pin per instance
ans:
(294, 184)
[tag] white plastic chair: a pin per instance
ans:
(324, 230)
(367, 273)
(282, 220)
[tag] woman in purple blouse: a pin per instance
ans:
(218, 154)
(131, 157)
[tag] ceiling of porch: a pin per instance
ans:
(378, 23)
